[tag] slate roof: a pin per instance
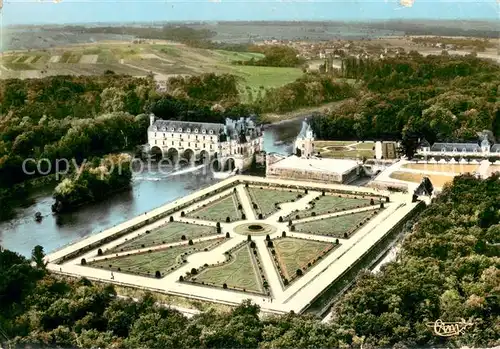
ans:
(456, 147)
(305, 128)
(495, 148)
(424, 143)
(168, 125)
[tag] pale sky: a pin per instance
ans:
(89, 11)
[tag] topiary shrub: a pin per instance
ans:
(346, 236)
(269, 244)
(297, 217)
(381, 205)
(147, 232)
(285, 282)
(157, 274)
(183, 237)
(299, 196)
(372, 202)
(99, 252)
(190, 242)
(337, 241)
(240, 207)
(246, 185)
(290, 222)
(243, 216)
(249, 237)
(83, 261)
(323, 193)
(205, 265)
(280, 219)
(194, 271)
(283, 234)
(218, 230)
(260, 216)
(217, 225)
(143, 246)
(273, 252)
(268, 238)
(227, 235)
(224, 285)
(181, 278)
(292, 228)
(228, 219)
(252, 244)
(171, 219)
(305, 191)
(386, 199)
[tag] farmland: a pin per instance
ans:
(162, 58)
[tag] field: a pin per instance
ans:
(293, 254)
(329, 204)
(219, 210)
(334, 226)
(164, 59)
(451, 168)
(171, 232)
(266, 198)
(240, 272)
(436, 180)
(147, 263)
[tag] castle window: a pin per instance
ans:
(155, 128)
(189, 144)
(179, 144)
(188, 130)
(203, 131)
(155, 141)
(211, 131)
(195, 130)
(155, 134)
(180, 129)
(172, 130)
(172, 142)
(454, 150)
(164, 135)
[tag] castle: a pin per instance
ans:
(226, 146)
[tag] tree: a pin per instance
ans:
(37, 256)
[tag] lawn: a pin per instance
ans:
(266, 198)
(436, 180)
(329, 204)
(219, 210)
(293, 254)
(170, 232)
(240, 272)
(334, 226)
(452, 168)
(147, 263)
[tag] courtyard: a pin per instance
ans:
(229, 242)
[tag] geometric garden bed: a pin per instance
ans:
(293, 257)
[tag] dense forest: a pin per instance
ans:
(436, 97)
(94, 180)
(448, 268)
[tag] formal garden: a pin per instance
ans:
(220, 210)
(242, 271)
(293, 257)
(153, 263)
(330, 203)
(265, 200)
(343, 226)
(168, 233)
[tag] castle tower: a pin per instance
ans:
(151, 119)
(304, 143)
(485, 145)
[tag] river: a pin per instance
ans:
(150, 190)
